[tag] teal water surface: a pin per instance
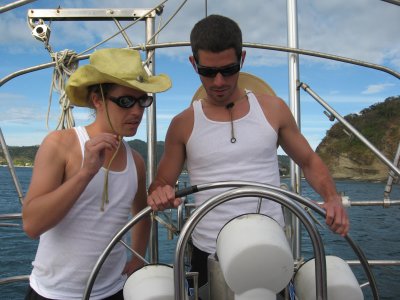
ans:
(375, 229)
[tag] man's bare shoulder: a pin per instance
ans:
(184, 120)
(60, 145)
(181, 126)
(273, 105)
(184, 116)
(275, 110)
(62, 137)
(270, 100)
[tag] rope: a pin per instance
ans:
(104, 198)
(167, 225)
(65, 66)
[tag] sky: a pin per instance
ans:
(359, 29)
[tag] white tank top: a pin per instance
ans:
(68, 252)
(212, 157)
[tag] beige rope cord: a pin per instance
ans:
(246, 81)
(66, 63)
(104, 199)
(229, 107)
(65, 66)
(171, 228)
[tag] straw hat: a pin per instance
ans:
(246, 81)
(114, 65)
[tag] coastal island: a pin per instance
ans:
(345, 156)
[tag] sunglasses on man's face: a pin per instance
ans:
(212, 72)
(129, 101)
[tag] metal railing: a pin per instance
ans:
(241, 189)
(149, 47)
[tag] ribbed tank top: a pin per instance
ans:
(68, 252)
(212, 157)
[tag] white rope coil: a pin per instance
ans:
(65, 66)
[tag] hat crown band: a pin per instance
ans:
(119, 66)
(128, 66)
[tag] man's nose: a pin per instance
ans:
(136, 109)
(219, 79)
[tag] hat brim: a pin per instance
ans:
(85, 76)
(246, 81)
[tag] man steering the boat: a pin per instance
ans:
(87, 181)
(233, 134)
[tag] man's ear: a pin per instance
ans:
(96, 101)
(242, 58)
(193, 62)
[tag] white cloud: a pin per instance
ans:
(376, 88)
(9, 98)
(165, 117)
(15, 32)
(349, 99)
(17, 115)
(363, 29)
(22, 139)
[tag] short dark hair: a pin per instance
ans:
(216, 33)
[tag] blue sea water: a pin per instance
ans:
(375, 229)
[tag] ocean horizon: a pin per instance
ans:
(371, 228)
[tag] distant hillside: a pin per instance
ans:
(348, 158)
(21, 156)
(141, 147)
(284, 165)
(25, 156)
(345, 156)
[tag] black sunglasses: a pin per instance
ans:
(129, 101)
(212, 72)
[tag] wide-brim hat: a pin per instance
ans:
(113, 65)
(246, 81)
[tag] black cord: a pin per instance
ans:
(229, 107)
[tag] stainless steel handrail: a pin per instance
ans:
(12, 216)
(11, 167)
(14, 279)
(110, 246)
(351, 128)
(391, 175)
(251, 191)
(303, 201)
(247, 45)
(317, 241)
(245, 186)
(14, 4)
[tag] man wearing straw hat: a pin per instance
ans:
(233, 133)
(87, 181)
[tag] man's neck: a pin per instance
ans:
(234, 99)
